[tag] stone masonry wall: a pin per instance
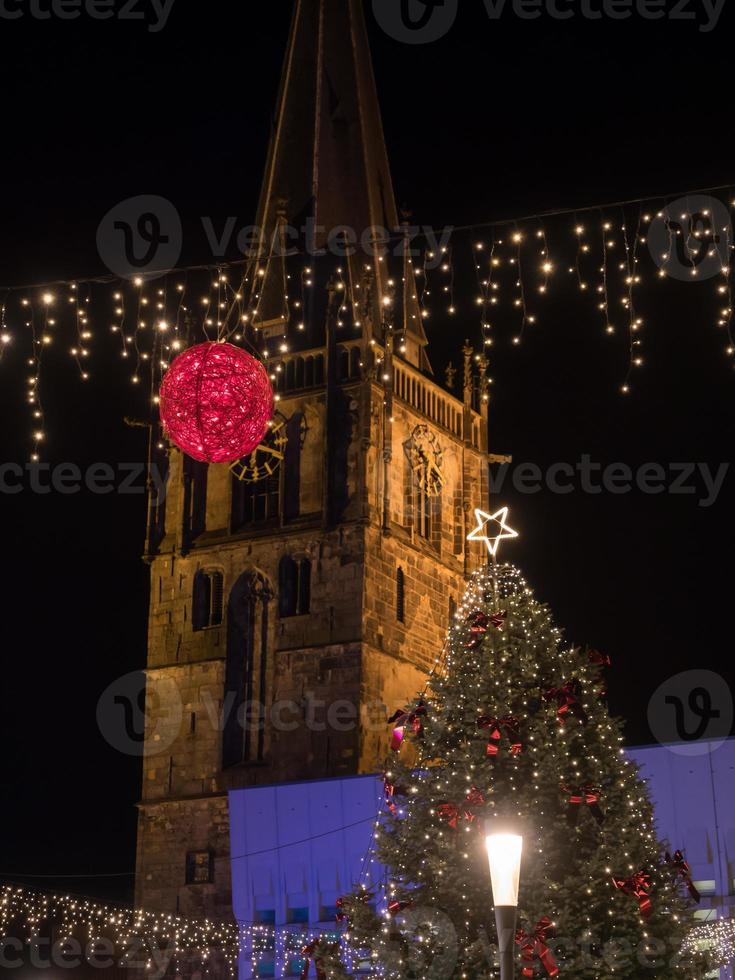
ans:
(166, 833)
(335, 674)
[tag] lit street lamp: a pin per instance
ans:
(504, 854)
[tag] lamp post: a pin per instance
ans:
(504, 854)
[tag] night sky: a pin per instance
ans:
(499, 119)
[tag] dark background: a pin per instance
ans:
(496, 120)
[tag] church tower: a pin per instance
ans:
(301, 596)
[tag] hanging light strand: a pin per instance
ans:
(725, 290)
(484, 288)
(520, 302)
(635, 322)
(5, 336)
(34, 382)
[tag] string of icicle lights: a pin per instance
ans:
(497, 278)
(207, 942)
(72, 916)
(715, 938)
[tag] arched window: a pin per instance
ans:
(157, 499)
(400, 596)
(248, 671)
(355, 362)
(294, 587)
(421, 507)
(295, 429)
(195, 499)
(208, 600)
(255, 503)
(422, 485)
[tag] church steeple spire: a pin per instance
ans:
(327, 165)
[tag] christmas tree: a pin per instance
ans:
(513, 731)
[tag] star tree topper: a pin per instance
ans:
(499, 520)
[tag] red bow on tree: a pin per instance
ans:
(391, 791)
(681, 867)
(601, 660)
(476, 797)
(342, 914)
(405, 717)
(450, 813)
(394, 908)
(535, 947)
(479, 623)
(497, 726)
(308, 953)
(585, 795)
(567, 699)
(637, 886)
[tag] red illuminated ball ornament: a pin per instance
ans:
(216, 402)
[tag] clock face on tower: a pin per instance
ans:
(265, 460)
(426, 459)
